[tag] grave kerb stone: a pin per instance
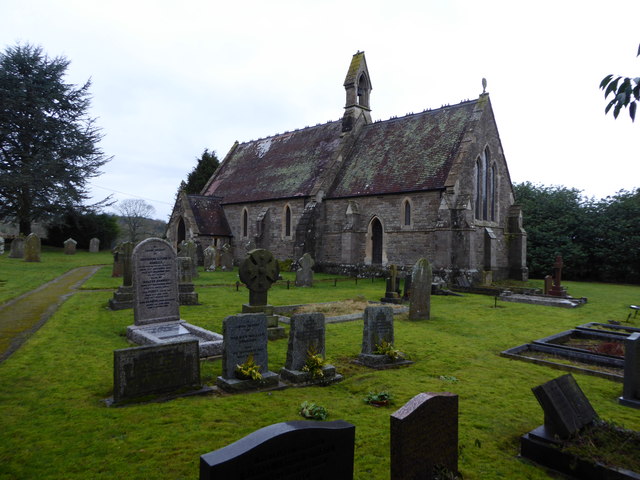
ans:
(286, 451)
(424, 437)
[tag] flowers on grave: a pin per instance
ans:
(249, 370)
(386, 348)
(314, 363)
(378, 399)
(312, 411)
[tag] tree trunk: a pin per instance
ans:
(25, 226)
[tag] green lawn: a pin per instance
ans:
(54, 424)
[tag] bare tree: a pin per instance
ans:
(133, 213)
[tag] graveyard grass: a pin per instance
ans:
(55, 425)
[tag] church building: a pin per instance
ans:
(360, 195)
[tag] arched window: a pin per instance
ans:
(363, 91)
(182, 231)
(245, 223)
(486, 181)
(374, 249)
(406, 213)
(491, 187)
(480, 185)
(287, 221)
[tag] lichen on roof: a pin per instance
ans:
(356, 62)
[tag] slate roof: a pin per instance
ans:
(282, 166)
(405, 154)
(209, 215)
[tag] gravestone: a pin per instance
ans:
(407, 287)
(155, 283)
(209, 260)
(32, 248)
(189, 249)
(631, 386)
(566, 408)
(286, 451)
(392, 294)
(245, 336)
(424, 437)
(156, 369)
(420, 302)
(186, 289)
(1, 245)
(306, 336)
(156, 308)
(70, 246)
(548, 284)
(258, 271)
(557, 290)
(116, 271)
(123, 297)
(304, 276)
(17, 248)
(94, 245)
(378, 329)
(225, 258)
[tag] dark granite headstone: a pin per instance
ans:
(155, 283)
(32, 248)
(566, 408)
(17, 248)
(245, 335)
(420, 302)
(631, 387)
(286, 451)
(424, 437)
(155, 369)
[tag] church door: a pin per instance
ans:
(376, 242)
(181, 231)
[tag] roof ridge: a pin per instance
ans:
(297, 130)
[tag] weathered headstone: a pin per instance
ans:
(304, 276)
(189, 249)
(155, 369)
(116, 271)
(631, 387)
(225, 258)
(421, 279)
(123, 297)
(566, 408)
(1, 245)
(258, 271)
(70, 246)
(17, 248)
(155, 282)
(209, 261)
(245, 338)
(94, 245)
(557, 290)
(548, 284)
(378, 332)
(286, 451)
(186, 289)
(156, 301)
(424, 437)
(32, 248)
(393, 287)
(306, 337)
(407, 287)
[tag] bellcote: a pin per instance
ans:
(357, 86)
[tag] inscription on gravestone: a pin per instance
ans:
(156, 369)
(286, 451)
(244, 335)
(155, 282)
(424, 437)
(378, 327)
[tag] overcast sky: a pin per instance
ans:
(170, 78)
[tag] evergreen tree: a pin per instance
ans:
(48, 144)
(201, 173)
